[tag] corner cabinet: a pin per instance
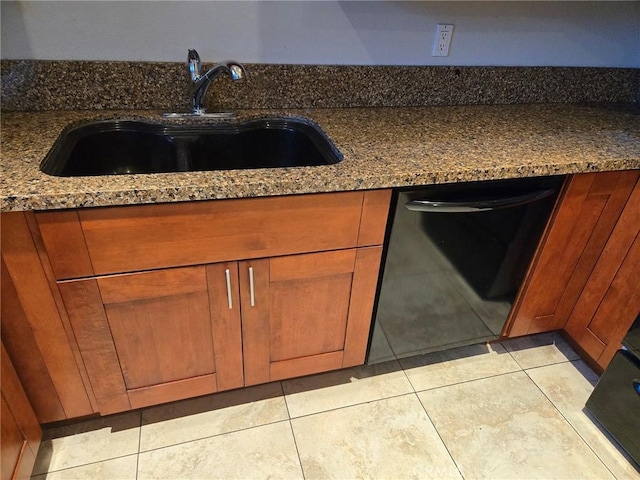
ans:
(178, 300)
(582, 280)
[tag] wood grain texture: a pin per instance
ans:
(126, 239)
(39, 307)
(163, 338)
(53, 285)
(587, 212)
(308, 316)
(363, 292)
(375, 211)
(149, 285)
(20, 341)
(311, 311)
(619, 195)
(12, 442)
(21, 432)
(171, 391)
(610, 300)
(256, 335)
(64, 240)
(227, 327)
(91, 328)
(299, 367)
(307, 311)
(622, 302)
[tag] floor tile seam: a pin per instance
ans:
(87, 464)
(537, 367)
(295, 444)
(413, 387)
(365, 402)
(286, 403)
(142, 452)
(511, 355)
(471, 380)
(439, 435)
(139, 445)
(568, 422)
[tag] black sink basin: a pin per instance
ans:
(126, 147)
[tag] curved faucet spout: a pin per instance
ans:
(200, 82)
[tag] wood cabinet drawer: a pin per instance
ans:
(99, 241)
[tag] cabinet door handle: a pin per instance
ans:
(251, 289)
(227, 274)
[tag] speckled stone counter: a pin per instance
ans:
(382, 147)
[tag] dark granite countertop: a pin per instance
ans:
(382, 147)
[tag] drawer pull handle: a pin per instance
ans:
(251, 289)
(227, 274)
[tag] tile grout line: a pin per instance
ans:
(439, 436)
(139, 445)
(564, 417)
(73, 467)
(214, 436)
(293, 433)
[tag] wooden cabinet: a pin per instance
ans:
(173, 301)
(151, 337)
(35, 328)
(610, 299)
(21, 433)
(581, 279)
(309, 313)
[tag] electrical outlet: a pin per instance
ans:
(442, 41)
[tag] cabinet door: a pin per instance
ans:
(610, 301)
(587, 213)
(21, 431)
(304, 314)
(154, 337)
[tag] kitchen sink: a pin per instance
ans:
(117, 147)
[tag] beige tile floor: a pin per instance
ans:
(511, 410)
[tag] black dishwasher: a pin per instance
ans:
(456, 256)
(615, 401)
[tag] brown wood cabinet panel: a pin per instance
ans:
(171, 301)
(304, 299)
(12, 441)
(90, 326)
(365, 280)
(62, 234)
(151, 285)
(309, 312)
(20, 433)
(588, 210)
(44, 331)
(164, 337)
(146, 237)
(298, 367)
(375, 211)
(610, 300)
(178, 390)
(256, 333)
(158, 336)
(20, 340)
(224, 301)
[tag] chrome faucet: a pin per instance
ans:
(200, 82)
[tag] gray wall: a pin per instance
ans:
(328, 32)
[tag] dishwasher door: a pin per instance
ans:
(455, 260)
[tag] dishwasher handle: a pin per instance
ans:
(426, 205)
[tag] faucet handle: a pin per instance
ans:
(195, 65)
